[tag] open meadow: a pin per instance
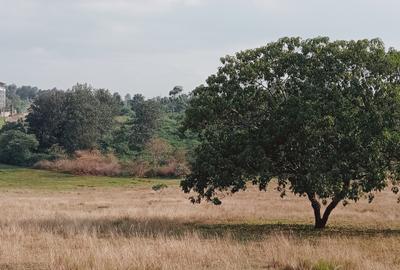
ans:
(199, 134)
(56, 221)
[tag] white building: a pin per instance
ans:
(2, 97)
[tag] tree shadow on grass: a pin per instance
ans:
(106, 227)
(156, 227)
(246, 231)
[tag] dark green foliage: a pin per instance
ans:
(76, 119)
(27, 92)
(322, 117)
(169, 130)
(118, 103)
(146, 114)
(118, 142)
(19, 125)
(176, 91)
(47, 116)
(17, 148)
(159, 187)
(110, 106)
(135, 127)
(176, 102)
(82, 125)
(173, 108)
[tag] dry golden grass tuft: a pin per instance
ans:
(84, 163)
(138, 228)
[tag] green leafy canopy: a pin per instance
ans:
(321, 116)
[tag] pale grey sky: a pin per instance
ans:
(148, 46)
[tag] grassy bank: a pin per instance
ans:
(17, 177)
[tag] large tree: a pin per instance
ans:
(75, 119)
(47, 116)
(322, 117)
(82, 127)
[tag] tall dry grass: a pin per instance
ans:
(142, 229)
(88, 162)
(93, 162)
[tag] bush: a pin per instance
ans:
(157, 151)
(17, 147)
(56, 152)
(19, 125)
(172, 169)
(165, 171)
(84, 163)
(139, 168)
(162, 160)
(159, 187)
(36, 157)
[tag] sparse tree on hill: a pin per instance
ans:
(321, 117)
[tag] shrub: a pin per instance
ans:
(19, 125)
(17, 147)
(159, 159)
(139, 168)
(165, 171)
(36, 157)
(172, 169)
(159, 187)
(84, 163)
(57, 152)
(157, 151)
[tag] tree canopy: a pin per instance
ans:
(144, 122)
(76, 119)
(17, 147)
(322, 117)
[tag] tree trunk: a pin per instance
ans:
(320, 221)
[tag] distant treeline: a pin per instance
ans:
(20, 98)
(139, 131)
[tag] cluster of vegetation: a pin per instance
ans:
(91, 131)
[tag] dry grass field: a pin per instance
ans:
(134, 227)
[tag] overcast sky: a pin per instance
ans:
(149, 46)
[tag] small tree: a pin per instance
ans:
(321, 117)
(177, 90)
(144, 123)
(158, 152)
